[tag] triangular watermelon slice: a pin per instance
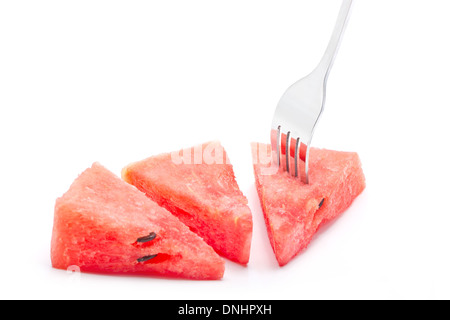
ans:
(105, 225)
(198, 186)
(294, 211)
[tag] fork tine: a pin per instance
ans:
(288, 151)
(296, 156)
(279, 146)
(302, 157)
(275, 139)
(306, 179)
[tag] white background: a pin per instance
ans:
(118, 81)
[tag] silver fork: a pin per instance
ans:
(301, 106)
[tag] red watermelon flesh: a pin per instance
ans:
(294, 211)
(104, 225)
(198, 186)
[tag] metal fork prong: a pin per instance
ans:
(288, 151)
(279, 146)
(297, 151)
(307, 164)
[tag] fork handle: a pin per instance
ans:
(330, 54)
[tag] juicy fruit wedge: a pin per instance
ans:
(105, 225)
(198, 186)
(294, 211)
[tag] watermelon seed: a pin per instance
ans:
(148, 238)
(321, 203)
(147, 258)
